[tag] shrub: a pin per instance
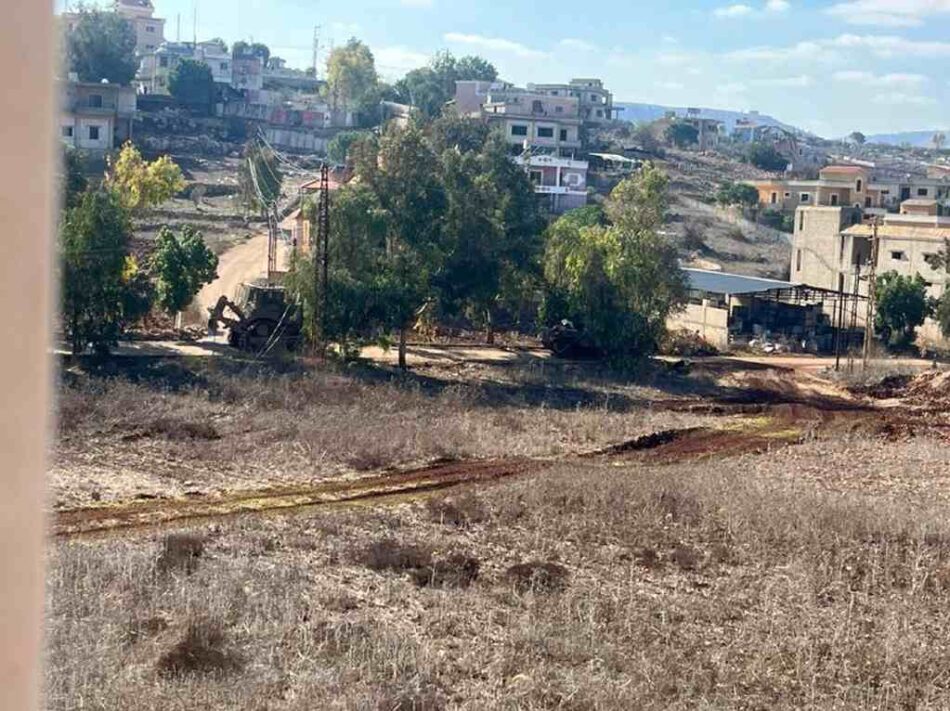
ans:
(456, 571)
(180, 553)
(389, 554)
(538, 577)
(202, 650)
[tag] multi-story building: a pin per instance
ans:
(96, 117)
(561, 183)
(157, 66)
(852, 186)
(149, 30)
(832, 248)
(596, 104)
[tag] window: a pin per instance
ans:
(537, 107)
(867, 202)
(805, 197)
(519, 130)
(224, 66)
(798, 260)
(929, 259)
(801, 220)
(859, 185)
(536, 177)
(788, 196)
(67, 131)
(921, 192)
(95, 101)
(773, 198)
(600, 114)
(563, 134)
(545, 132)
(150, 29)
(898, 256)
(93, 133)
(559, 109)
(593, 97)
(163, 61)
(834, 199)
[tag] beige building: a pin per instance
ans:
(832, 248)
(850, 186)
(149, 30)
(595, 103)
(96, 117)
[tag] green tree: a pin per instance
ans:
(857, 138)
(95, 271)
(681, 134)
(181, 266)
(475, 68)
(902, 306)
(451, 131)
(243, 50)
(429, 88)
(102, 46)
(743, 194)
(619, 282)
(339, 145)
(74, 182)
(141, 184)
(259, 177)
(192, 83)
(351, 77)
(766, 157)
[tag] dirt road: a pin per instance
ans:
(242, 263)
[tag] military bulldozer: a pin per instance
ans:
(261, 318)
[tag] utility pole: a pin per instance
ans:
(316, 52)
(872, 288)
(320, 246)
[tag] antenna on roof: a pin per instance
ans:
(194, 25)
(178, 33)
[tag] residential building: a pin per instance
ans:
(149, 30)
(850, 185)
(596, 104)
(561, 183)
(247, 74)
(832, 248)
(156, 67)
(96, 117)
(536, 121)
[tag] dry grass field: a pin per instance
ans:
(696, 571)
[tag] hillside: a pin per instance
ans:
(640, 113)
(919, 139)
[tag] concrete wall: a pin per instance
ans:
(818, 254)
(706, 320)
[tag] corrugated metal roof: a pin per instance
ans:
(722, 283)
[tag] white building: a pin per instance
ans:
(561, 182)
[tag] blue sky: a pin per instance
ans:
(830, 66)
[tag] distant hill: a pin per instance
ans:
(920, 139)
(638, 113)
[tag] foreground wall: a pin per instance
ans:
(706, 320)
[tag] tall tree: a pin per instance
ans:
(857, 138)
(192, 83)
(74, 182)
(94, 259)
(102, 46)
(181, 265)
(351, 77)
(140, 184)
(902, 306)
(243, 50)
(429, 88)
(619, 282)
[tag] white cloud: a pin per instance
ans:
(496, 44)
(744, 10)
(738, 10)
(800, 82)
(888, 13)
(833, 49)
(397, 60)
(871, 79)
(416, 3)
(899, 98)
(577, 44)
